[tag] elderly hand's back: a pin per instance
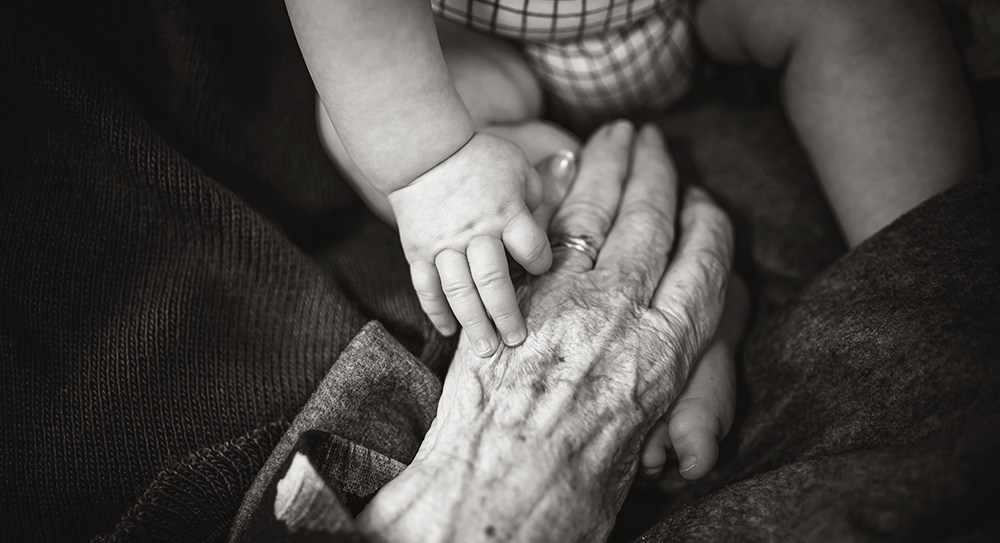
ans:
(541, 442)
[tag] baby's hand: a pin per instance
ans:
(457, 223)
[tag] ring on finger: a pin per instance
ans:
(583, 243)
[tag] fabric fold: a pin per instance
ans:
(359, 429)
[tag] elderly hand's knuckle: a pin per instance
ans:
(679, 328)
(590, 211)
(658, 236)
(649, 214)
(640, 275)
(633, 279)
(672, 327)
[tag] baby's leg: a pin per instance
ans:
(498, 88)
(490, 74)
(873, 89)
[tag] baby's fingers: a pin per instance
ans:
(698, 420)
(428, 286)
(703, 413)
(695, 431)
(463, 296)
(654, 450)
(488, 261)
(527, 243)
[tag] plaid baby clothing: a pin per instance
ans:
(596, 58)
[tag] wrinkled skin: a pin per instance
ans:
(541, 442)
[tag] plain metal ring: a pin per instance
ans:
(585, 244)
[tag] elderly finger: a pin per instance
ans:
(459, 288)
(692, 291)
(643, 232)
(427, 284)
(590, 206)
(488, 262)
(557, 173)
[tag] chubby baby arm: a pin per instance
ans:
(380, 72)
(457, 223)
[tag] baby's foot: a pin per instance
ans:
(703, 413)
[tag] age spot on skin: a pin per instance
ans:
(538, 386)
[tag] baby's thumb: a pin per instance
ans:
(553, 179)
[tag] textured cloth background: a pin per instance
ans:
(179, 264)
(869, 407)
(180, 267)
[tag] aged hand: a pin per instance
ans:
(542, 442)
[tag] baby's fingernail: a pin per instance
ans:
(688, 462)
(484, 347)
(515, 338)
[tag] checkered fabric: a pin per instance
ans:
(596, 58)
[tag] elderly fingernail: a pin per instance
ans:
(564, 161)
(688, 462)
(484, 347)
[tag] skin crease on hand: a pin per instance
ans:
(541, 442)
(704, 412)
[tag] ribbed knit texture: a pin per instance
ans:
(160, 318)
